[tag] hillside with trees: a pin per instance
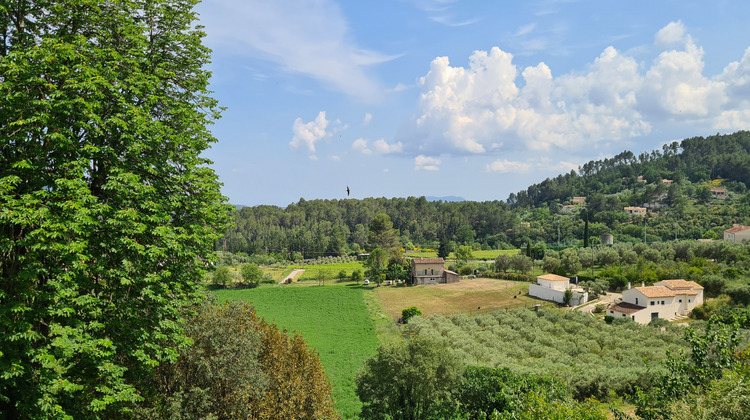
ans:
(682, 207)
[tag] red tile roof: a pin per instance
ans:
(737, 229)
(656, 291)
(428, 261)
(680, 284)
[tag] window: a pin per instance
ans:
(633, 317)
(425, 271)
(653, 303)
(662, 302)
(636, 301)
(689, 300)
(432, 271)
(680, 300)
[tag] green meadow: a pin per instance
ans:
(334, 319)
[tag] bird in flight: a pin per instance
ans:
(347, 191)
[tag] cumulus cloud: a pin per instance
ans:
(484, 108)
(380, 147)
(367, 119)
(508, 166)
(360, 145)
(307, 134)
(310, 38)
(426, 163)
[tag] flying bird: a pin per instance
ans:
(347, 191)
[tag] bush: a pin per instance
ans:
(739, 294)
(221, 277)
(466, 270)
(410, 312)
(600, 308)
(608, 319)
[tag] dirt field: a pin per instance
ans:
(468, 296)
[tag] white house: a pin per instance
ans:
(666, 299)
(737, 233)
(552, 287)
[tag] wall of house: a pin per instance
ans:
(579, 297)
(552, 284)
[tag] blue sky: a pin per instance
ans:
(476, 99)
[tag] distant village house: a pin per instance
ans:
(579, 200)
(719, 193)
(737, 233)
(641, 211)
(431, 271)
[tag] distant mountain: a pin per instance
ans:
(447, 198)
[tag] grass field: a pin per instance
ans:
(335, 320)
(330, 270)
(467, 296)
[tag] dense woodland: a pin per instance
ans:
(682, 210)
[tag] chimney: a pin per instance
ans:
(643, 284)
(628, 285)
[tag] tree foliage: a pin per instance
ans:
(411, 379)
(108, 211)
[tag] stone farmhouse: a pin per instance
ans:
(638, 211)
(431, 271)
(552, 287)
(667, 299)
(737, 233)
(719, 193)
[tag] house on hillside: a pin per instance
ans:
(666, 299)
(666, 181)
(641, 180)
(737, 233)
(637, 211)
(431, 271)
(552, 287)
(719, 193)
(579, 200)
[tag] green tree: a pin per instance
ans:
(221, 277)
(251, 274)
(356, 276)
(463, 253)
(381, 233)
(569, 261)
(376, 264)
(411, 379)
(503, 263)
(109, 211)
(445, 248)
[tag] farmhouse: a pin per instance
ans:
(431, 271)
(666, 299)
(552, 287)
(737, 233)
(579, 200)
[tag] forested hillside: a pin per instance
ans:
(682, 209)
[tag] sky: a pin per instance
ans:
(477, 99)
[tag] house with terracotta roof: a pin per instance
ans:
(666, 299)
(579, 200)
(552, 287)
(718, 192)
(737, 233)
(431, 271)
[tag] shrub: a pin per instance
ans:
(466, 270)
(410, 312)
(600, 308)
(221, 277)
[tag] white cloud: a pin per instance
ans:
(312, 157)
(473, 109)
(311, 38)
(360, 145)
(673, 33)
(400, 87)
(307, 134)
(426, 163)
(525, 29)
(367, 119)
(382, 147)
(508, 166)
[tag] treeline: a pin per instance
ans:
(684, 209)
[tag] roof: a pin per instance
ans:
(428, 261)
(737, 229)
(625, 308)
(553, 277)
(656, 291)
(681, 284)
(451, 272)
(718, 189)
